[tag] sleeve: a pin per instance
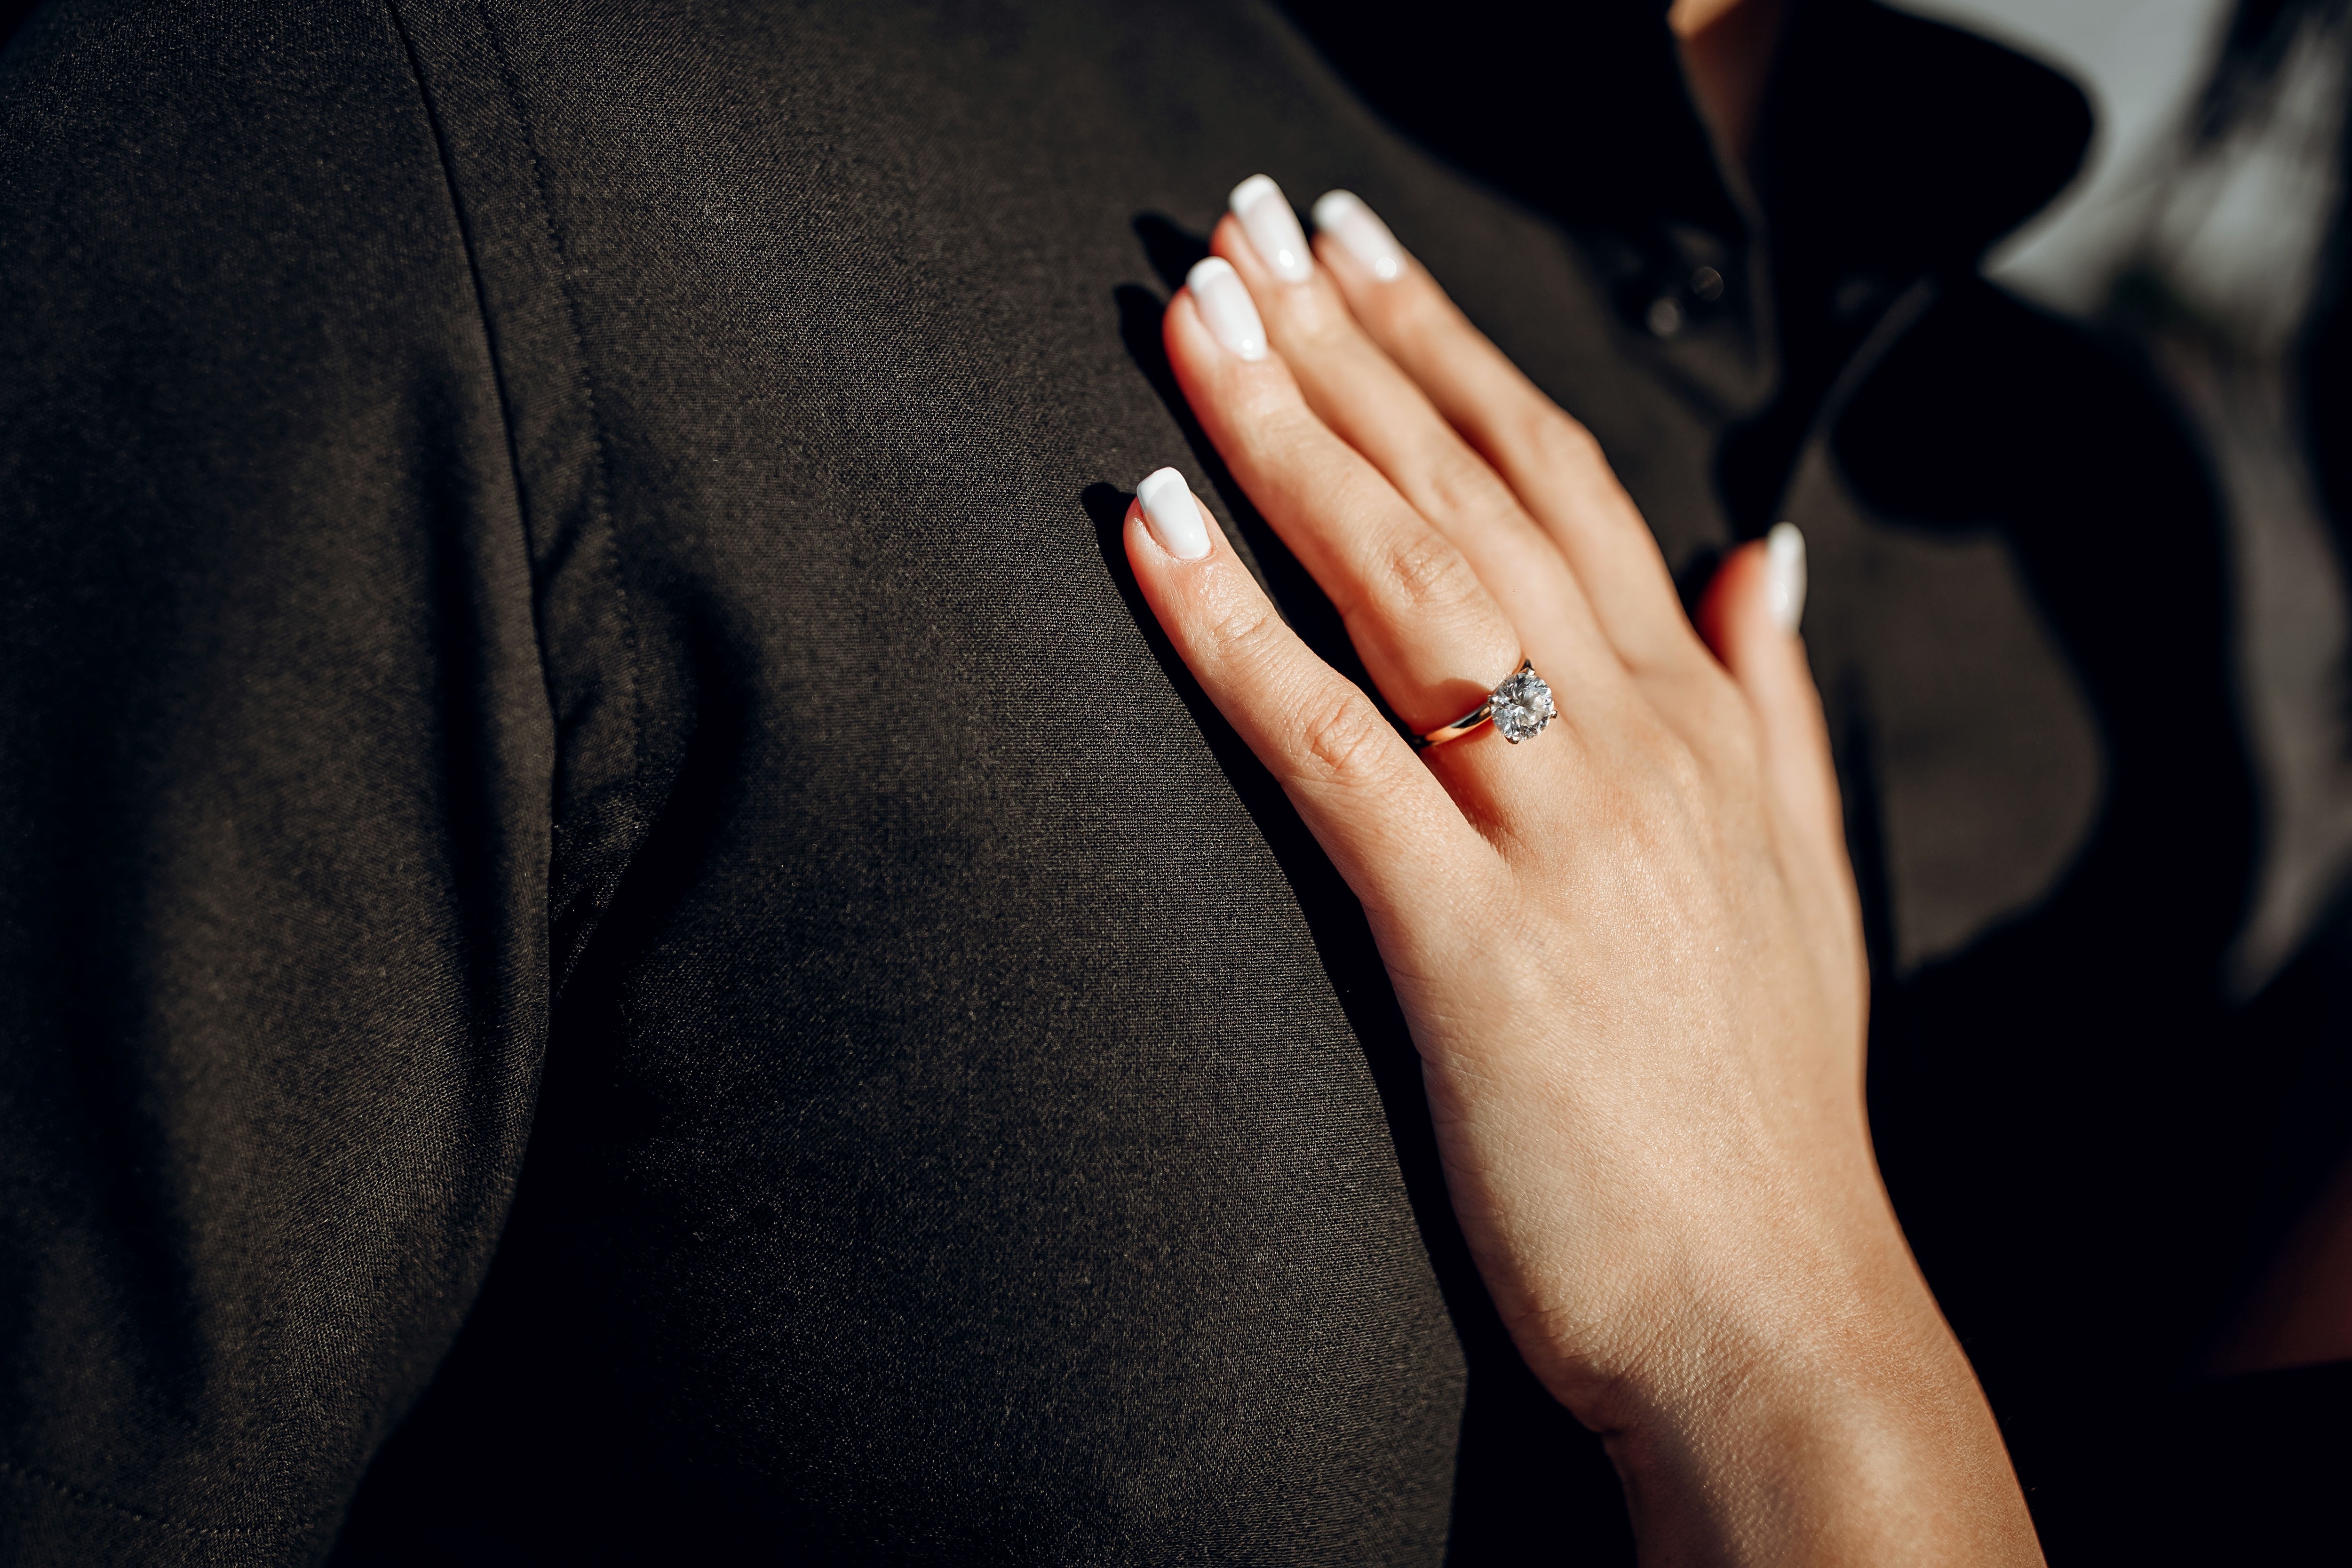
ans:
(277, 753)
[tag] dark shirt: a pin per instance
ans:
(621, 940)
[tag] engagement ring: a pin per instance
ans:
(1519, 708)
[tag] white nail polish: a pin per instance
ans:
(1784, 574)
(1226, 305)
(1174, 516)
(1343, 215)
(1273, 228)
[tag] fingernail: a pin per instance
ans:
(1225, 305)
(1173, 514)
(1784, 574)
(1343, 215)
(1273, 228)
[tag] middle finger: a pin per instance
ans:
(1354, 387)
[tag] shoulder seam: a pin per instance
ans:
(601, 490)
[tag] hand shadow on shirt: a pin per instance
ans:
(1342, 940)
(1517, 1442)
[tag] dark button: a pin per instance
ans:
(1668, 281)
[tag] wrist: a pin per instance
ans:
(1805, 1261)
(1834, 1421)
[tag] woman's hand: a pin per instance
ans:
(1628, 947)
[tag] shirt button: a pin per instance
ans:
(1666, 317)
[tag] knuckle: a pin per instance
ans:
(1683, 776)
(1416, 316)
(1728, 723)
(1424, 575)
(1714, 727)
(1277, 418)
(1460, 484)
(1742, 757)
(1240, 636)
(1560, 439)
(1320, 330)
(1669, 779)
(1340, 734)
(1283, 436)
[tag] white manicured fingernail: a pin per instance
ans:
(1784, 574)
(1273, 228)
(1343, 215)
(1173, 514)
(1226, 305)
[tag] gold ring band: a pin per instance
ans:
(1521, 708)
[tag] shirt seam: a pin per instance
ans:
(27, 1474)
(601, 491)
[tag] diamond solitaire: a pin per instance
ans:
(1522, 706)
(1519, 708)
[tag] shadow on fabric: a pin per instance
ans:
(1531, 1482)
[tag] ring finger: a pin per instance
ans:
(1433, 638)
